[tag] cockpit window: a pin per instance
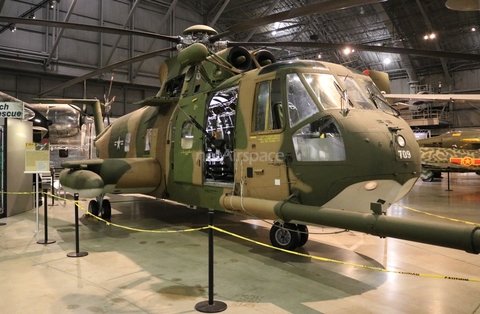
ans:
(355, 93)
(323, 85)
(268, 113)
(366, 94)
(376, 96)
(300, 104)
(319, 140)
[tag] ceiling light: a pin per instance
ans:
(347, 51)
(432, 36)
(425, 37)
(387, 61)
(274, 33)
(473, 29)
(319, 56)
(13, 28)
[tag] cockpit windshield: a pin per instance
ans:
(300, 102)
(366, 94)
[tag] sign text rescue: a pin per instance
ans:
(11, 110)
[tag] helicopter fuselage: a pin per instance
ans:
(279, 132)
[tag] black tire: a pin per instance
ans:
(427, 176)
(93, 207)
(106, 209)
(285, 237)
(303, 234)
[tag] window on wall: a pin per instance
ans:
(268, 113)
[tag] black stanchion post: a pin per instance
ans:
(52, 173)
(448, 180)
(45, 219)
(210, 306)
(77, 252)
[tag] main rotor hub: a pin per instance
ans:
(199, 29)
(196, 34)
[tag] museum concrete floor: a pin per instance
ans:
(134, 271)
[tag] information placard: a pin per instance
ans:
(37, 157)
(12, 110)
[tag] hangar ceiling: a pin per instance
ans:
(393, 23)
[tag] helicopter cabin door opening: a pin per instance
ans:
(219, 145)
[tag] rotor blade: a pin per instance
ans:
(314, 8)
(463, 5)
(107, 68)
(395, 50)
(86, 27)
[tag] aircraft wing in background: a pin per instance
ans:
(433, 97)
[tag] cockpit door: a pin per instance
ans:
(262, 166)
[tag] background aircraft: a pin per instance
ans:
(455, 139)
(299, 142)
(454, 151)
(68, 128)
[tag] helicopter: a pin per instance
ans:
(298, 142)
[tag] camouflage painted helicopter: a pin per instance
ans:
(298, 142)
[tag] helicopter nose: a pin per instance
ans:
(384, 160)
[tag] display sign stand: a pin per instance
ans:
(37, 198)
(37, 161)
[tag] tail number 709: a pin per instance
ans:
(404, 154)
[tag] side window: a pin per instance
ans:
(268, 113)
(187, 135)
(319, 140)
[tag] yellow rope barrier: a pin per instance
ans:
(438, 216)
(323, 259)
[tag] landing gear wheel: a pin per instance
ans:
(427, 176)
(285, 237)
(93, 207)
(303, 234)
(106, 209)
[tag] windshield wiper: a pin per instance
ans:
(344, 95)
(374, 96)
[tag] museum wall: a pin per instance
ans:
(79, 52)
(467, 82)
(18, 134)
